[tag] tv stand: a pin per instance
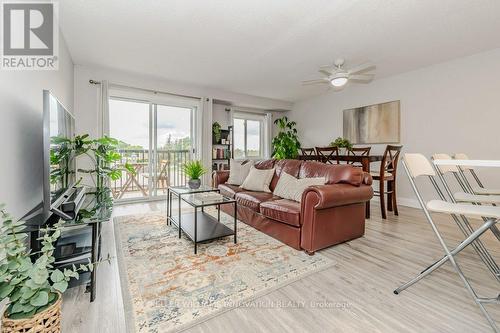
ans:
(89, 215)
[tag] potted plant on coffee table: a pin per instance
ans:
(29, 281)
(194, 170)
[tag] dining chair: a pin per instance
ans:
(358, 151)
(328, 154)
(387, 174)
(307, 151)
(416, 166)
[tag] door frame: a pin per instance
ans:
(153, 101)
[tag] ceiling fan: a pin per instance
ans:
(338, 76)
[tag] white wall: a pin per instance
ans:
(449, 107)
(220, 115)
(21, 100)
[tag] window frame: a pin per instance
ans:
(245, 116)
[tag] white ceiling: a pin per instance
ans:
(267, 47)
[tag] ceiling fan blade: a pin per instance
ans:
(318, 81)
(362, 77)
(328, 68)
(362, 68)
(325, 71)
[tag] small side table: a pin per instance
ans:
(200, 226)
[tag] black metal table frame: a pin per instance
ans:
(170, 218)
(95, 253)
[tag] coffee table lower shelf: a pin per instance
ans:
(208, 228)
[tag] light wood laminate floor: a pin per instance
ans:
(355, 295)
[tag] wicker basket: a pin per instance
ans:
(48, 321)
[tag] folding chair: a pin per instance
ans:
(468, 194)
(476, 189)
(417, 165)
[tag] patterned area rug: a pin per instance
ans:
(167, 287)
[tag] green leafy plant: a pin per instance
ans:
(341, 143)
(286, 144)
(216, 132)
(102, 152)
(29, 280)
(194, 169)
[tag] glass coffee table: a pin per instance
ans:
(200, 226)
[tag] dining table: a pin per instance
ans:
(364, 160)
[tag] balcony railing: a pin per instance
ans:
(168, 172)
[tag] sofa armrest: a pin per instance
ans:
(328, 196)
(367, 178)
(220, 177)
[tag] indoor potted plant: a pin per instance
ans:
(29, 281)
(286, 144)
(341, 143)
(194, 170)
(216, 133)
(103, 154)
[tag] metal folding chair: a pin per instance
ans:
(479, 189)
(468, 195)
(417, 165)
(462, 221)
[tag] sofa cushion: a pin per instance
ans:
(334, 174)
(283, 210)
(238, 171)
(253, 200)
(229, 190)
(258, 180)
(289, 187)
(291, 167)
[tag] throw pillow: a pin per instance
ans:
(291, 188)
(258, 180)
(238, 171)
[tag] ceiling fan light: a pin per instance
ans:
(338, 81)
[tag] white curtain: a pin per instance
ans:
(268, 135)
(205, 137)
(103, 120)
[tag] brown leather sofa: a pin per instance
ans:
(328, 214)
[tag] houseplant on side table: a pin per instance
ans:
(194, 170)
(33, 287)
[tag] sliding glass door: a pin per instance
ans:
(156, 139)
(173, 145)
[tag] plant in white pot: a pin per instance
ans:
(29, 281)
(342, 143)
(194, 170)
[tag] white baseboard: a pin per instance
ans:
(407, 202)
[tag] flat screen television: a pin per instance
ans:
(59, 173)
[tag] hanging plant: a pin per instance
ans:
(286, 144)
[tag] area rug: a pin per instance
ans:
(167, 287)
